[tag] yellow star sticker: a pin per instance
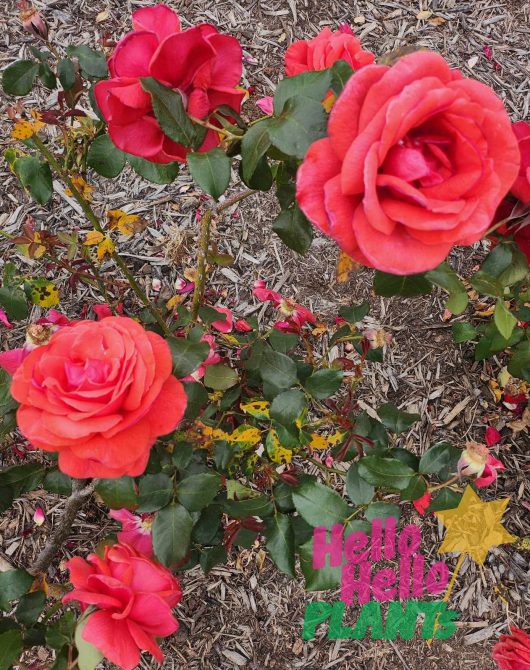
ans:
(474, 526)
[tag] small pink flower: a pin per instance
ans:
(242, 326)
(4, 320)
(493, 436)
(329, 461)
(489, 474)
(421, 504)
(183, 286)
(226, 325)
(135, 530)
(39, 516)
(266, 105)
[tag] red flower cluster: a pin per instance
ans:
(134, 597)
(417, 160)
(203, 65)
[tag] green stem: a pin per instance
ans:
(200, 280)
(325, 467)
(444, 484)
(91, 216)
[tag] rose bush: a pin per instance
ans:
(99, 393)
(203, 65)
(134, 597)
(416, 160)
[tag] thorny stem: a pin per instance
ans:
(235, 199)
(91, 216)
(204, 242)
(81, 492)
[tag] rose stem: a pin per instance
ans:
(89, 213)
(81, 492)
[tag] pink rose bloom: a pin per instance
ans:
(133, 597)
(135, 530)
(226, 325)
(200, 63)
(521, 186)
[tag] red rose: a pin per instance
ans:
(204, 66)
(99, 393)
(521, 186)
(417, 160)
(134, 597)
(325, 49)
(512, 652)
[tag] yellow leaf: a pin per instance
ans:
(80, 185)
(244, 434)
(44, 293)
(230, 339)
(319, 330)
(175, 301)
(102, 16)
(345, 267)
(328, 102)
(106, 246)
(275, 451)
(23, 130)
(93, 237)
(130, 224)
(496, 391)
(113, 216)
(257, 408)
(323, 441)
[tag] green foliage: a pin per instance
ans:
(18, 78)
(172, 533)
(211, 170)
(407, 286)
(93, 63)
(396, 420)
(118, 493)
(293, 229)
(187, 355)
(105, 158)
(36, 177)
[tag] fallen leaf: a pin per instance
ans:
(424, 15)
(102, 16)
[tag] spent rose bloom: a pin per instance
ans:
(99, 393)
(521, 186)
(212, 359)
(133, 596)
(512, 652)
(416, 161)
(136, 531)
(296, 314)
(324, 50)
(203, 65)
(477, 460)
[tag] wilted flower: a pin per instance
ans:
(477, 460)
(377, 338)
(32, 21)
(296, 314)
(265, 104)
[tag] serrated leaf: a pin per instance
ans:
(407, 286)
(10, 648)
(187, 355)
(319, 505)
(13, 301)
(280, 543)
(220, 377)
(463, 332)
(118, 493)
(277, 369)
(13, 584)
(294, 230)
(93, 63)
(18, 78)
(395, 419)
(439, 459)
(381, 510)
(388, 472)
(324, 383)
(36, 177)
(157, 173)
(155, 492)
(359, 491)
(302, 122)
(504, 319)
(312, 84)
(197, 491)
(171, 533)
(105, 158)
(211, 170)
(254, 146)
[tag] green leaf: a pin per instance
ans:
(197, 491)
(187, 355)
(155, 492)
(319, 505)
(283, 498)
(446, 499)
(10, 648)
(302, 122)
(312, 85)
(381, 510)
(280, 543)
(57, 482)
(404, 456)
(13, 584)
(439, 459)
(118, 493)
(354, 313)
(519, 365)
(47, 76)
(394, 419)
(157, 173)
(463, 332)
(358, 490)
(445, 277)
(517, 270)
(105, 158)
(29, 608)
(211, 170)
(258, 506)
(504, 319)
(93, 63)
(487, 285)
(324, 383)
(18, 78)
(254, 146)
(212, 557)
(19, 479)
(197, 397)
(277, 369)
(262, 179)
(325, 578)
(407, 286)
(282, 342)
(287, 407)
(88, 656)
(415, 489)
(61, 632)
(220, 377)
(66, 73)
(294, 230)
(388, 472)
(340, 73)
(208, 524)
(36, 177)
(171, 534)
(169, 110)
(498, 260)
(13, 301)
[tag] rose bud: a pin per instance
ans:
(473, 459)
(32, 21)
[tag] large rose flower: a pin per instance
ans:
(134, 597)
(325, 49)
(512, 652)
(521, 186)
(203, 65)
(417, 160)
(99, 393)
